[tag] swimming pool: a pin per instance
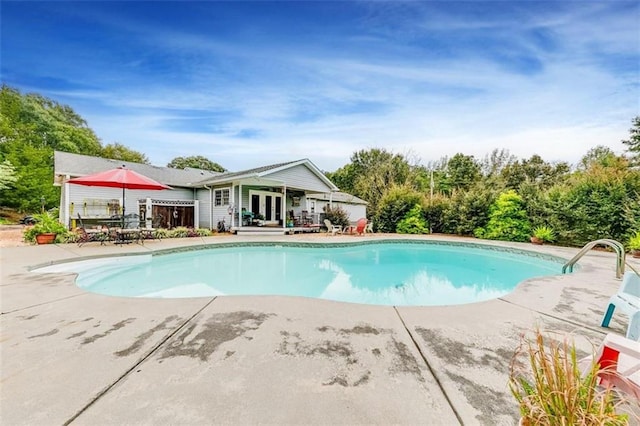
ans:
(386, 273)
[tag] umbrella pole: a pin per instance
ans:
(123, 208)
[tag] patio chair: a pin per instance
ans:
(247, 217)
(628, 300)
(147, 233)
(360, 226)
(618, 361)
(85, 235)
(306, 218)
(131, 221)
(331, 228)
(369, 228)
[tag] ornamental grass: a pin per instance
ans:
(551, 389)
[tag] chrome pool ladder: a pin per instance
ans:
(617, 247)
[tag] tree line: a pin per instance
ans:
(501, 196)
(32, 127)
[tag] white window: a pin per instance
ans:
(221, 197)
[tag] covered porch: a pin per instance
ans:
(266, 206)
(266, 200)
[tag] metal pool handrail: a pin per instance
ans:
(617, 246)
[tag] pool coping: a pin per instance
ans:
(431, 373)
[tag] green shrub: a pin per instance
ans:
(66, 237)
(46, 223)
(595, 205)
(544, 233)
(434, 212)
(413, 222)
(336, 215)
(161, 233)
(634, 242)
(203, 232)
(507, 219)
(468, 210)
(182, 232)
(179, 232)
(394, 206)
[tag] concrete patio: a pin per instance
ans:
(72, 357)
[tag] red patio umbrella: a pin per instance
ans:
(119, 178)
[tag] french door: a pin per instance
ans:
(267, 204)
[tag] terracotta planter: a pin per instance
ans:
(48, 238)
(536, 240)
(635, 253)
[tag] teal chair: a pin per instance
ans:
(628, 300)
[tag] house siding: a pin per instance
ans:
(83, 199)
(300, 177)
(355, 211)
(220, 212)
(204, 202)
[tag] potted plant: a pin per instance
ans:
(551, 389)
(543, 234)
(45, 229)
(634, 244)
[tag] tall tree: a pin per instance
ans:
(536, 171)
(602, 156)
(117, 151)
(495, 162)
(42, 122)
(462, 171)
(8, 176)
(374, 172)
(633, 143)
(196, 162)
(31, 128)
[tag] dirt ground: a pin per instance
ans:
(11, 236)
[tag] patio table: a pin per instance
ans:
(127, 236)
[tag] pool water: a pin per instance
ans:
(380, 274)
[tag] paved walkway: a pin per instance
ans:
(68, 356)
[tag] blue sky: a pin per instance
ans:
(252, 83)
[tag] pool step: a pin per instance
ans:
(265, 230)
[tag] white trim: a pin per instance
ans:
(307, 163)
(262, 208)
(264, 174)
(222, 189)
(67, 215)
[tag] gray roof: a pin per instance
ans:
(264, 171)
(339, 197)
(80, 165)
(248, 172)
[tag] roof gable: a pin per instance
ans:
(66, 163)
(272, 170)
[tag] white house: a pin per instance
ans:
(277, 197)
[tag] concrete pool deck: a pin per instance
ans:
(72, 357)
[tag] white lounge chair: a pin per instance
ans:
(628, 300)
(618, 361)
(331, 228)
(369, 228)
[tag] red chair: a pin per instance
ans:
(360, 226)
(619, 364)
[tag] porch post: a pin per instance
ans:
(149, 209)
(240, 205)
(196, 214)
(65, 204)
(210, 207)
(283, 206)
